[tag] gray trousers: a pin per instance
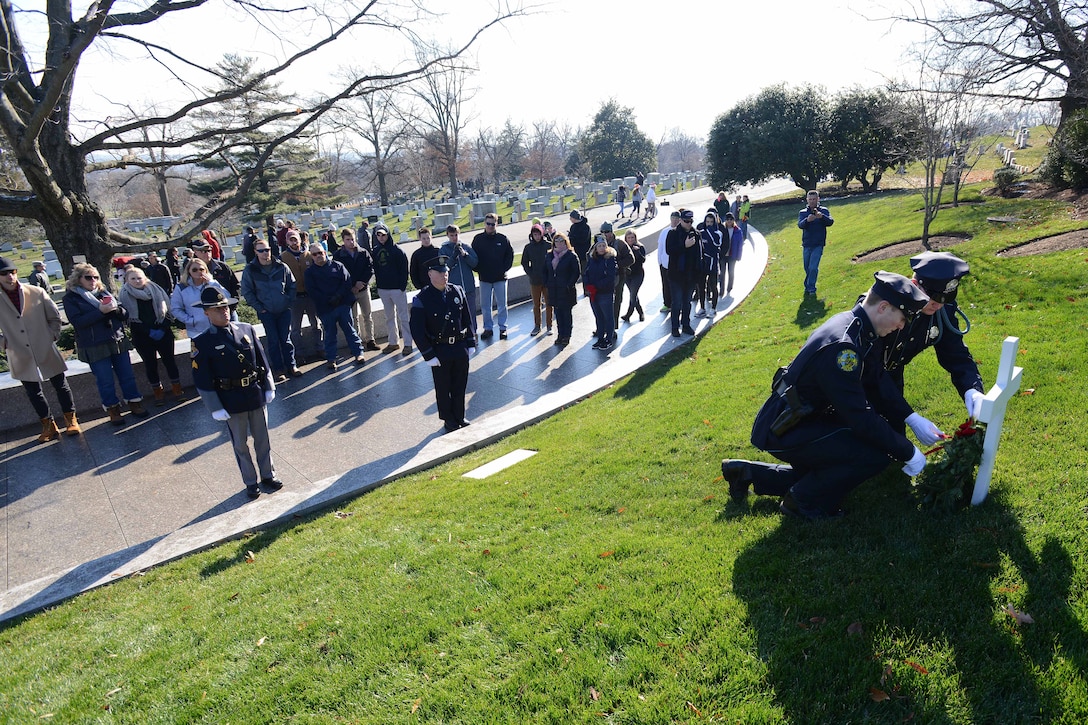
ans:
(242, 426)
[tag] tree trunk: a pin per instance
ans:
(383, 186)
(164, 195)
(83, 235)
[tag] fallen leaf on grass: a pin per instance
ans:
(1020, 617)
(1029, 391)
(878, 695)
(343, 514)
(708, 497)
(416, 704)
(855, 628)
(918, 667)
(605, 554)
(250, 557)
(706, 421)
(594, 694)
(260, 642)
(621, 509)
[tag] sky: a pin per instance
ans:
(677, 65)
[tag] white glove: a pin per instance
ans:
(916, 463)
(926, 433)
(269, 396)
(973, 400)
(434, 363)
(220, 414)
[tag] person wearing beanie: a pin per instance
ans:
(391, 276)
(533, 258)
(581, 239)
(29, 327)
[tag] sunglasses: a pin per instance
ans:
(489, 224)
(317, 254)
(262, 251)
(90, 276)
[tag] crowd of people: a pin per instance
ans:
(843, 394)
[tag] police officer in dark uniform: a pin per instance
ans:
(939, 275)
(231, 373)
(821, 417)
(442, 328)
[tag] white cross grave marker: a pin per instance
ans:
(993, 415)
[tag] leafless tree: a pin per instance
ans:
(500, 154)
(678, 151)
(52, 150)
(545, 153)
(445, 94)
(1018, 50)
(379, 121)
(947, 108)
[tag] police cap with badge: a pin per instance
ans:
(439, 264)
(214, 297)
(939, 274)
(900, 292)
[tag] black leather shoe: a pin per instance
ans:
(253, 490)
(487, 334)
(739, 476)
(451, 426)
(502, 334)
(272, 484)
(689, 331)
(463, 422)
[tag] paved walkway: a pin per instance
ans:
(80, 512)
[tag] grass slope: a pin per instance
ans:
(609, 579)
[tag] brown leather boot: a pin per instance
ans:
(160, 395)
(176, 391)
(115, 415)
(71, 424)
(137, 408)
(49, 430)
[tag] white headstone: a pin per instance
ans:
(993, 415)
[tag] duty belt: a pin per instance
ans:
(452, 340)
(231, 383)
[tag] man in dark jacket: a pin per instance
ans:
(159, 273)
(533, 258)
(581, 238)
(822, 415)
(685, 265)
(391, 275)
(813, 222)
(360, 266)
(421, 259)
(496, 257)
(269, 287)
(329, 286)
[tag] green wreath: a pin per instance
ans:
(948, 480)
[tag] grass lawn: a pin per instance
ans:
(609, 578)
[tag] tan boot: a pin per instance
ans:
(177, 392)
(72, 425)
(49, 430)
(160, 395)
(137, 408)
(115, 415)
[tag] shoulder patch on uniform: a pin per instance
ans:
(847, 361)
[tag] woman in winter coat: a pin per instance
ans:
(194, 278)
(148, 310)
(711, 238)
(99, 323)
(561, 272)
(600, 282)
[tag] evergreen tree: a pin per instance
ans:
(614, 146)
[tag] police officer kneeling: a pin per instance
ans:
(442, 328)
(821, 417)
(231, 373)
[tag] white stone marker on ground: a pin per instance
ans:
(993, 415)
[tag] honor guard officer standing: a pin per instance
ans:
(231, 373)
(820, 417)
(442, 327)
(939, 275)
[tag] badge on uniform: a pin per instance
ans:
(847, 361)
(934, 332)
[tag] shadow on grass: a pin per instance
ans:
(810, 312)
(912, 605)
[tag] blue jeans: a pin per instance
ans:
(103, 377)
(339, 316)
(680, 310)
(811, 259)
(498, 291)
(605, 315)
(277, 335)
